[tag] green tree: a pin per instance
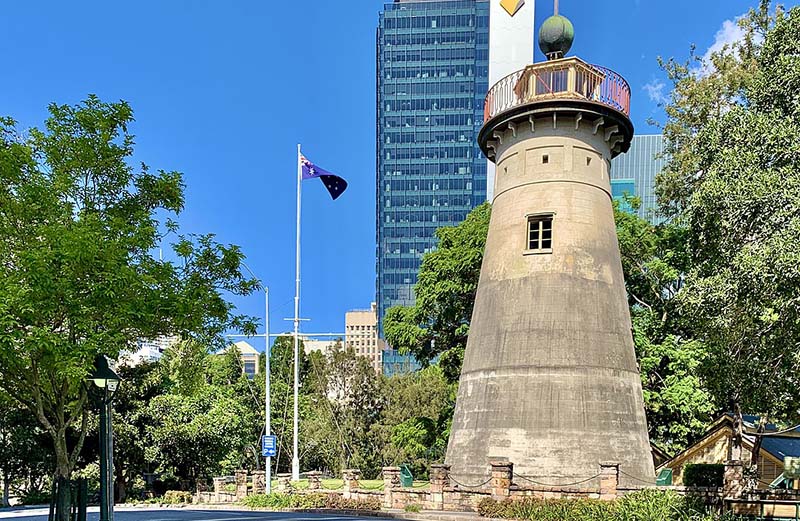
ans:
(25, 457)
(345, 404)
(734, 180)
(415, 421)
(654, 260)
(142, 383)
(78, 224)
(199, 436)
(438, 323)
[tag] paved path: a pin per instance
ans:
(122, 513)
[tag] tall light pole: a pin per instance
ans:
(267, 355)
(107, 382)
(267, 411)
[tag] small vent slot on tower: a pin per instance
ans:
(588, 161)
(540, 234)
(545, 159)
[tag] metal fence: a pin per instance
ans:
(570, 78)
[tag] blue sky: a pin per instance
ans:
(223, 91)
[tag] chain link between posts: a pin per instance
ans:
(526, 478)
(640, 480)
(452, 479)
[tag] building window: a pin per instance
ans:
(545, 159)
(540, 233)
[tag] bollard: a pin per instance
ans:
(440, 479)
(609, 480)
(502, 475)
(314, 480)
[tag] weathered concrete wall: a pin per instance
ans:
(550, 379)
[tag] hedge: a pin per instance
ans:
(315, 501)
(644, 505)
(703, 475)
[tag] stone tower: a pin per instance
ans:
(550, 380)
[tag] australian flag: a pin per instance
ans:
(335, 184)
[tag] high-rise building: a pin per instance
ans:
(635, 173)
(432, 77)
(361, 334)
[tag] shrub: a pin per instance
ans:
(703, 475)
(644, 505)
(165, 483)
(560, 509)
(176, 497)
(274, 500)
(337, 502)
(489, 507)
(309, 501)
(412, 508)
(35, 497)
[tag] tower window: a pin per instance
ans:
(588, 161)
(540, 233)
(545, 159)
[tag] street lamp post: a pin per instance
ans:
(267, 412)
(107, 382)
(267, 354)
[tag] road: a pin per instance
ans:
(178, 514)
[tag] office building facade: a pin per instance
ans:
(361, 334)
(635, 173)
(432, 77)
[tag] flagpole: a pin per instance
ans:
(295, 453)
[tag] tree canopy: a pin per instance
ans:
(78, 228)
(733, 180)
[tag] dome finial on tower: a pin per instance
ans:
(556, 35)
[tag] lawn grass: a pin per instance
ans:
(338, 484)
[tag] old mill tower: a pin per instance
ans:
(550, 380)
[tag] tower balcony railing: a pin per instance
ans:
(567, 79)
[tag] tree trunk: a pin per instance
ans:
(757, 446)
(738, 431)
(63, 473)
(121, 485)
(6, 492)
(63, 499)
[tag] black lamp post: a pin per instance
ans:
(106, 382)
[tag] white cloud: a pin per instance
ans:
(728, 34)
(655, 91)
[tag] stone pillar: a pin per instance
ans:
(733, 479)
(502, 476)
(314, 480)
(391, 482)
(259, 483)
(440, 479)
(609, 480)
(285, 483)
(241, 484)
(219, 489)
(351, 478)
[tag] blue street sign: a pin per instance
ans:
(269, 446)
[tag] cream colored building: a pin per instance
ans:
(323, 346)
(249, 357)
(361, 333)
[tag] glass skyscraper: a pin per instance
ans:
(432, 77)
(635, 173)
